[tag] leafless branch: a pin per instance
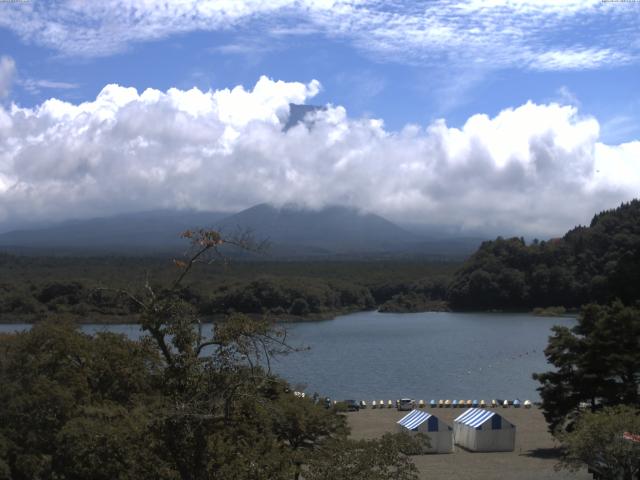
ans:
(206, 344)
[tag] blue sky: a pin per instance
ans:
(400, 62)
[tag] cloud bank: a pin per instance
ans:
(7, 73)
(534, 169)
(530, 34)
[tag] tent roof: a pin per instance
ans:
(414, 419)
(474, 417)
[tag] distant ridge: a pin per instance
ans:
(331, 230)
(292, 232)
(152, 231)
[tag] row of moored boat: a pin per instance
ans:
(454, 404)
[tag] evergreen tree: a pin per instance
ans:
(597, 363)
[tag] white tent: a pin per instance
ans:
(482, 430)
(440, 434)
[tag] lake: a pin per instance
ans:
(371, 355)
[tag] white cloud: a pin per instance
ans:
(566, 96)
(7, 72)
(534, 169)
(241, 48)
(579, 59)
(616, 166)
(35, 86)
(9, 76)
(528, 6)
(102, 28)
(541, 34)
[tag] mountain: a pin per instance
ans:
(297, 114)
(151, 231)
(331, 230)
(290, 231)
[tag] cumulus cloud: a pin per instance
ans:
(487, 33)
(533, 169)
(7, 72)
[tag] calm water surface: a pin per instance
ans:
(371, 355)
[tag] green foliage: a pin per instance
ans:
(597, 363)
(305, 426)
(380, 459)
(425, 294)
(297, 296)
(104, 443)
(5, 471)
(76, 406)
(597, 441)
(174, 405)
(50, 376)
(589, 264)
(86, 289)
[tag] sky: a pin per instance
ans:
(501, 116)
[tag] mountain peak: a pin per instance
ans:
(293, 230)
(298, 114)
(332, 229)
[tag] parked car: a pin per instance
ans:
(406, 404)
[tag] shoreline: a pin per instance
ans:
(28, 319)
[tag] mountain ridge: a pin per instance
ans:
(334, 228)
(292, 231)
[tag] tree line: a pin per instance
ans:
(82, 289)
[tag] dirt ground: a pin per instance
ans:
(534, 457)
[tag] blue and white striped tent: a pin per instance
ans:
(482, 430)
(440, 434)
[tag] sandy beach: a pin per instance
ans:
(534, 458)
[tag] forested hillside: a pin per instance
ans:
(589, 264)
(86, 289)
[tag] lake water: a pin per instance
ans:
(371, 355)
